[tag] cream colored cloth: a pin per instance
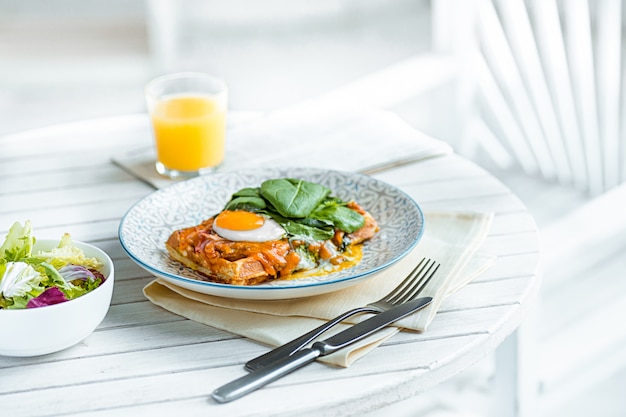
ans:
(450, 238)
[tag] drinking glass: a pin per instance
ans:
(188, 114)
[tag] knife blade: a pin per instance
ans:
(263, 376)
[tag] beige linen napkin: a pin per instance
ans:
(451, 238)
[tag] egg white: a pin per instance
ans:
(270, 230)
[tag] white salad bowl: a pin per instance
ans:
(43, 330)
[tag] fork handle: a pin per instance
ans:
(298, 343)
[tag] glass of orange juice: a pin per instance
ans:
(188, 113)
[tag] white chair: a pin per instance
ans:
(544, 93)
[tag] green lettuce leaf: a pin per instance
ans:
(20, 279)
(66, 253)
(18, 243)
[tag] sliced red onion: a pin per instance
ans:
(75, 272)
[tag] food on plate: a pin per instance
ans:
(284, 228)
(30, 279)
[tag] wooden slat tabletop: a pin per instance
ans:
(143, 360)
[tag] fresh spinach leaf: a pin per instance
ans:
(305, 228)
(296, 228)
(335, 212)
(248, 192)
(246, 203)
(247, 199)
(302, 208)
(293, 198)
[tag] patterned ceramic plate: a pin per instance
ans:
(147, 225)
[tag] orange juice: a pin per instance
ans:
(189, 131)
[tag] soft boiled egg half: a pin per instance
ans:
(245, 226)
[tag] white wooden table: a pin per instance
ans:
(143, 360)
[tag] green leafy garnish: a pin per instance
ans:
(335, 212)
(304, 209)
(293, 198)
(249, 199)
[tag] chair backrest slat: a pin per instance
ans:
(551, 46)
(551, 86)
(517, 26)
(608, 58)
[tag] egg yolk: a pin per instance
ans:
(239, 220)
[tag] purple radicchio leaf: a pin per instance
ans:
(49, 297)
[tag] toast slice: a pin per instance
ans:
(250, 263)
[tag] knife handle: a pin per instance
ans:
(298, 343)
(263, 376)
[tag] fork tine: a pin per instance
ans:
(421, 284)
(417, 283)
(399, 289)
(417, 286)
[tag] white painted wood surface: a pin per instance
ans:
(143, 360)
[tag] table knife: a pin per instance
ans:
(263, 376)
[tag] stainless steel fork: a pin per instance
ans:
(407, 290)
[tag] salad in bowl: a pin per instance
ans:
(30, 279)
(53, 293)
